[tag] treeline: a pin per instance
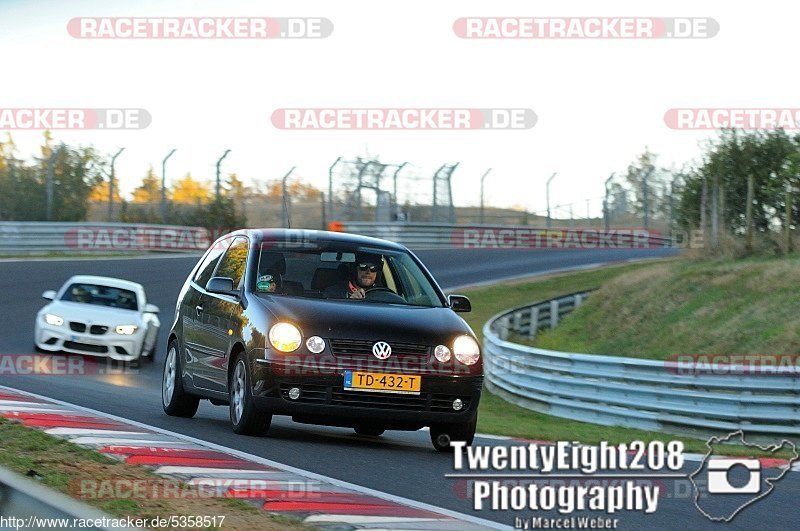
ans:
(744, 191)
(62, 181)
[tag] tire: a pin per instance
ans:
(40, 350)
(176, 401)
(442, 434)
(150, 355)
(369, 430)
(246, 419)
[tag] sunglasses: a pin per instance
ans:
(371, 267)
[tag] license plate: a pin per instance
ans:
(381, 382)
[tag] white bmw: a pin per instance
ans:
(98, 316)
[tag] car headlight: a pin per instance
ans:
(315, 344)
(285, 337)
(466, 350)
(54, 320)
(442, 353)
(127, 330)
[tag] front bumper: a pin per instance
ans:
(323, 400)
(108, 345)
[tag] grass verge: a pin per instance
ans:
(67, 467)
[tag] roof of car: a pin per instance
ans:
(105, 281)
(317, 235)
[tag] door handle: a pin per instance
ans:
(199, 309)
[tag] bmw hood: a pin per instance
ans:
(348, 319)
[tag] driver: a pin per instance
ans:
(363, 276)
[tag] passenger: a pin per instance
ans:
(363, 276)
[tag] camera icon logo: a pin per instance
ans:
(719, 476)
(725, 485)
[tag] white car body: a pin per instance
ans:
(91, 329)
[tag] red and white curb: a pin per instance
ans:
(271, 485)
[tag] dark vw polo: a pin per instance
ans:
(329, 328)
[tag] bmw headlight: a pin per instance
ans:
(127, 330)
(442, 353)
(466, 350)
(54, 320)
(285, 337)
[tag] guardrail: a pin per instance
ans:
(442, 235)
(24, 504)
(645, 394)
(43, 237)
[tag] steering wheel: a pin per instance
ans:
(390, 296)
(379, 288)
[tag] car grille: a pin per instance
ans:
(74, 345)
(405, 356)
(320, 394)
(354, 347)
(97, 330)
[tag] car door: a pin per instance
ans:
(195, 335)
(218, 311)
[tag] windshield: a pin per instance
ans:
(338, 271)
(100, 296)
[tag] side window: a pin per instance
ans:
(206, 269)
(233, 263)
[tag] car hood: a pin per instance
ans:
(347, 319)
(85, 313)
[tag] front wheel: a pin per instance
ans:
(176, 401)
(443, 434)
(246, 419)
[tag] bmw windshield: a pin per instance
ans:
(341, 271)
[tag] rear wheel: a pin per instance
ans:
(369, 430)
(246, 419)
(443, 434)
(176, 401)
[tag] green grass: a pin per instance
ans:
(648, 310)
(61, 465)
(689, 307)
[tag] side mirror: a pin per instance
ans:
(459, 303)
(49, 295)
(151, 308)
(221, 285)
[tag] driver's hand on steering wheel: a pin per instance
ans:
(358, 294)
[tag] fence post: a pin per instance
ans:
(553, 313)
(517, 322)
(534, 322)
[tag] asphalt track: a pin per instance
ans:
(400, 463)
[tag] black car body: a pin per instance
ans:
(225, 346)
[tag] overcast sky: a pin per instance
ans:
(599, 102)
